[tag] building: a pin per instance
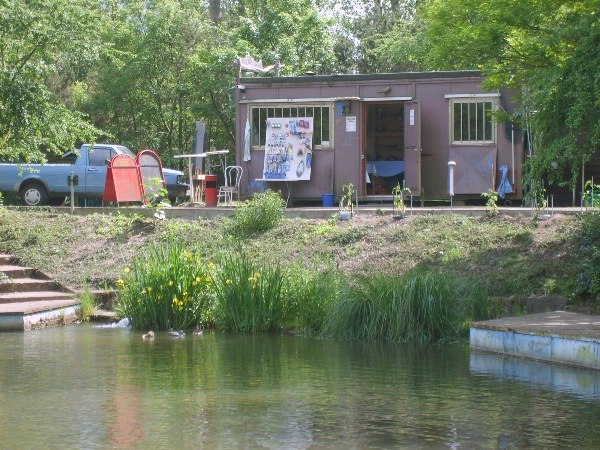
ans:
(318, 133)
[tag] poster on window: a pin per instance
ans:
(288, 149)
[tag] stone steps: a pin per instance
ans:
(28, 284)
(29, 299)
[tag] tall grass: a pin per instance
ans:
(417, 307)
(169, 288)
(248, 298)
(310, 295)
(87, 304)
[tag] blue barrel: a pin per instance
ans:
(328, 199)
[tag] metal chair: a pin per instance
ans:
(233, 176)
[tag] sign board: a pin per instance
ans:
(150, 172)
(288, 149)
(123, 183)
(351, 124)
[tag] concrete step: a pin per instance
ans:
(28, 285)
(12, 271)
(6, 259)
(23, 297)
(32, 315)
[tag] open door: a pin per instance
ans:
(412, 147)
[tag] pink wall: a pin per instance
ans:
(334, 167)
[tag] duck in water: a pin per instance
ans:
(176, 334)
(149, 336)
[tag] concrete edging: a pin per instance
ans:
(581, 352)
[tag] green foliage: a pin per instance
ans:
(491, 205)
(44, 44)
(591, 194)
(260, 213)
(398, 198)
(419, 306)
(348, 196)
(588, 240)
(118, 224)
(310, 295)
(86, 306)
(170, 287)
(1, 199)
(249, 298)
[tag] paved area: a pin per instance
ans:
(557, 323)
(318, 212)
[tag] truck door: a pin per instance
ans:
(95, 170)
(412, 147)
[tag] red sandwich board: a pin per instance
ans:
(123, 182)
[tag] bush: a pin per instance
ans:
(261, 213)
(589, 246)
(169, 288)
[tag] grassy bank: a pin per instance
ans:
(506, 258)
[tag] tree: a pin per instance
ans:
(545, 50)
(38, 40)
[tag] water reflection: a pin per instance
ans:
(582, 382)
(78, 387)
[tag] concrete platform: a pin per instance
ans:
(33, 315)
(559, 337)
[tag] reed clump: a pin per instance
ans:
(171, 287)
(248, 297)
(416, 307)
(177, 288)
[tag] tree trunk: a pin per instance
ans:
(215, 10)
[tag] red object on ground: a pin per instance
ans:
(210, 190)
(123, 182)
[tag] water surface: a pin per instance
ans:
(85, 387)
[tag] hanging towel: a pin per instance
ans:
(504, 186)
(247, 141)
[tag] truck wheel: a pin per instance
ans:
(34, 194)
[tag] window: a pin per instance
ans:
(321, 120)
(99, 156)
(473, 122)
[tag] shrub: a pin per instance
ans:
(169, 288)
(248, 298)
(589, 246)
(261, 213)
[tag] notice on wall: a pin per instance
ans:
(412, 117)
(288, 149)
(351, 124)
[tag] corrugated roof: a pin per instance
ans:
(362, 77)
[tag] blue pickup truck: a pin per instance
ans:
(47, 184)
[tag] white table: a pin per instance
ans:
(207, 155)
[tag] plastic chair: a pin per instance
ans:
(233, 176)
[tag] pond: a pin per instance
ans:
(86, 387)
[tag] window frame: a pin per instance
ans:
(467, 100)
(276, 111)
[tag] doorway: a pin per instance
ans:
(384, 148)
